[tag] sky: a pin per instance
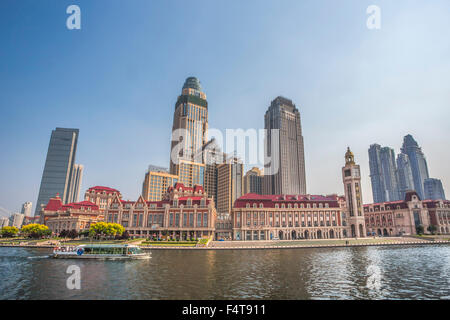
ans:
(117, 80)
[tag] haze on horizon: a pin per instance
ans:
(117, 80)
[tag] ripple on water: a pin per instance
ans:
(421, 272)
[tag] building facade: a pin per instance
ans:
(419, 167)
(73, 216)
(383, 174)
(26, 209)
(184, 213)
(4, 222)
(230, 178)
(288, 217)
(397, 218)
(16, 220)
(156, 183)
(58, 169)
(101, 196)
(285, 148)
(189, 134)
(433, 189)
(404, 173)
(75, 183)
(253, 181)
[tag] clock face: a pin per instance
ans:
(355, 172)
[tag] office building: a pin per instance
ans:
(189, 134)
(404, 173)
(58, 169)
(253, 181)
(229, 184)
(419, 167)
(285, 174)
(26, 209)
(156, 182)
(75, 183)
(433, 189)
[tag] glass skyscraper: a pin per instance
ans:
(404, 173)
(58, 169)
(383, 174)
(433, 189)
(418, 163)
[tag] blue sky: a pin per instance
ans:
(117, 80)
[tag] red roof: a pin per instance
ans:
(55, 204)
(270, 200)
(101, 189)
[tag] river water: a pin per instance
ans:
(410, 272)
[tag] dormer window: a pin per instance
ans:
(175, 203)
(261, 205)
(189, 202)
(203, 202)
(247, 205)
(254, 205)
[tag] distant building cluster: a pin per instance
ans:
(392, 177)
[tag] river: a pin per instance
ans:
(410, 272)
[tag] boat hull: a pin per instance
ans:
(101, 256)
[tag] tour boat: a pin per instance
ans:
(100, 251)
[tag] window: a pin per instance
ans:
(205, 219)
(199, 220)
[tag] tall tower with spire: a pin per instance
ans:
(351, 176)
(189, 134)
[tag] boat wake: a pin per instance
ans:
(39, 257)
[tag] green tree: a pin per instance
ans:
(72, 234)
(433, 229)
(106, 230)
(36, 230)
(7, 232)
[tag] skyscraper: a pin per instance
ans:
(229, 184)
(418, 163)
(58, 169)
(26, 209)
(253, 181)
(383, 174)
(433, 189)
(189, 134)
(213, 157)
(404, 173)
(287, 147)
(75, 183)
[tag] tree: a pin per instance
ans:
(125, 235)
(8, 232)
(103, 229)
(420, 229)
(433, 228)
(36, 230)
(72, 234)
(63, 233)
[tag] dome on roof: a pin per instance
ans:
(193, 83)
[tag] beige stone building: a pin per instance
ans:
(183, 213)
(101, 196)
(73, 216)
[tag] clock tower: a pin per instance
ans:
(351, 177)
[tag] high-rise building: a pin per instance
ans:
(286, 148)
(229, 184)
(433, 189)
(189, 134)
(4, 222)
(253, 181)
(404, 173)
(213, 157)
(26, 209)
(16, 220)
(75, 183)
(418, 163)
(58, 169)
(351, 176)
(383, 174)
(157, 181)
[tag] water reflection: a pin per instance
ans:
(421, 272)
